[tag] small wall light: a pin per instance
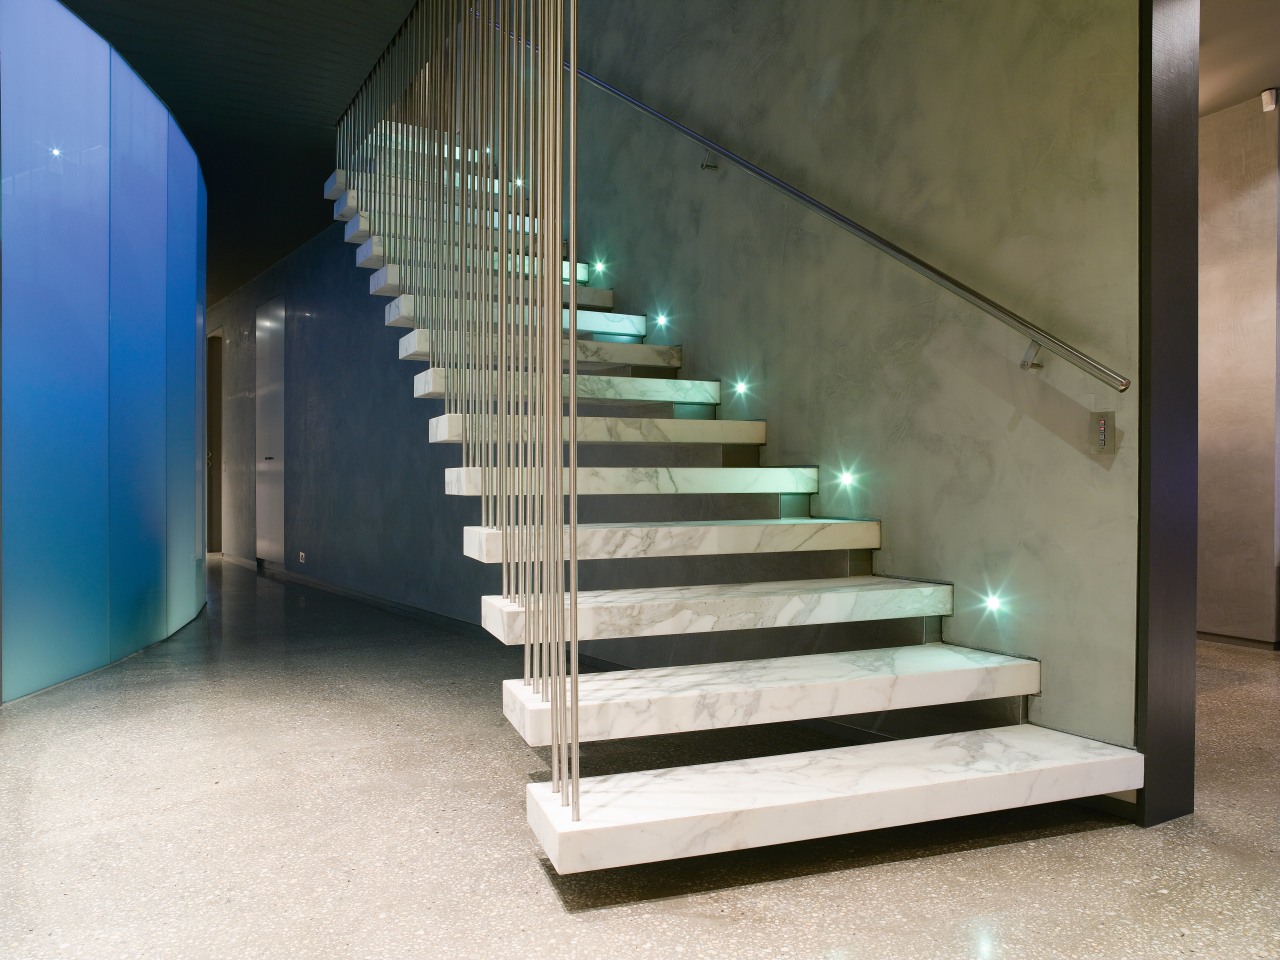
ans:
(662, 319)
(599, 265)
(994, 603)
(740, 388)
(56, 152)
(846, 478)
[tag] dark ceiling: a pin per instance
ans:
(257, 87)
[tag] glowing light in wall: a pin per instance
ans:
(740, 388)
(56, 152)
(846, 479)
(599, 265)
(519, 183)
(994, 603)
(662, 319)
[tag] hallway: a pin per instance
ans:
(297, 774)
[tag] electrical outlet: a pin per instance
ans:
(302, 557)
(1102, 433)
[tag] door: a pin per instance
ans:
(269, 416)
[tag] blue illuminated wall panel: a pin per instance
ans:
(54, 162)
(139, 512)
(101, 318)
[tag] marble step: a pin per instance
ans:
(348, 206)
(656, 815)
(432, 384)
(639, 481)
(708, 608)
(712, 696)
(402, 311)
(416, 345)
(696, 538)
(372, 255)
(359, 228)
(393, 184)
(449, 427)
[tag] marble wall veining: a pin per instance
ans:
(1239, 540)
(998, 140)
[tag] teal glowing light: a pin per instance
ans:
(662, 319)
(599, 265)
(740, 388)
(519, 182)
(994, 603)
(846, 479)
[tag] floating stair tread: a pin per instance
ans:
(696, 538)
(712, 808)
(401, 312)
(432, 384)
(416, 345)
(709, 608)
(448, 429)
(664, 700)
(603, 481)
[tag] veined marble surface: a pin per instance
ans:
(711, 808)
(642, 703)
(432, 384)
(400, 311)
(707, 608)
(448, 429)
(358, 229)
(372, 254)
(694, 538)
(601, 481)
(385, 282)
(416, 345)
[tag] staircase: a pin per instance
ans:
(662, 479)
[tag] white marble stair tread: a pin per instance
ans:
(448, 428)
(416, 345)
(359, 228)
(696, 538)
(689, 811)
(348, 206)
(712, 696)
(402, 311)
(663, 481)
(709, 608)
(432, 384)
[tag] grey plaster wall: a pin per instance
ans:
(1239, 149)
(995, 138)
(364, 491)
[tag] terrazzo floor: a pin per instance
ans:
(297, 775)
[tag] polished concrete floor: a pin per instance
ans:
(298, 775)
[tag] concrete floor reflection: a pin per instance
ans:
(300, 775)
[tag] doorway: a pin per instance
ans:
(269, 423)
(214, 465)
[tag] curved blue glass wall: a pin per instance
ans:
(101, 356)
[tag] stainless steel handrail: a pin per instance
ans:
(1039, 338)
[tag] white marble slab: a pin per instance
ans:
(403, 313)
(335, 185)
(712, 808)
(696, 538)
(432, 384)
(708, 608)
(603, 481)
(372, 254)
(416, 345)
(644, 703)
(345, 206)
(385, 282)
(448, 429)
(357, 229)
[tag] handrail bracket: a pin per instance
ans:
(1029, 361)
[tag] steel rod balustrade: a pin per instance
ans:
(460, 150)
